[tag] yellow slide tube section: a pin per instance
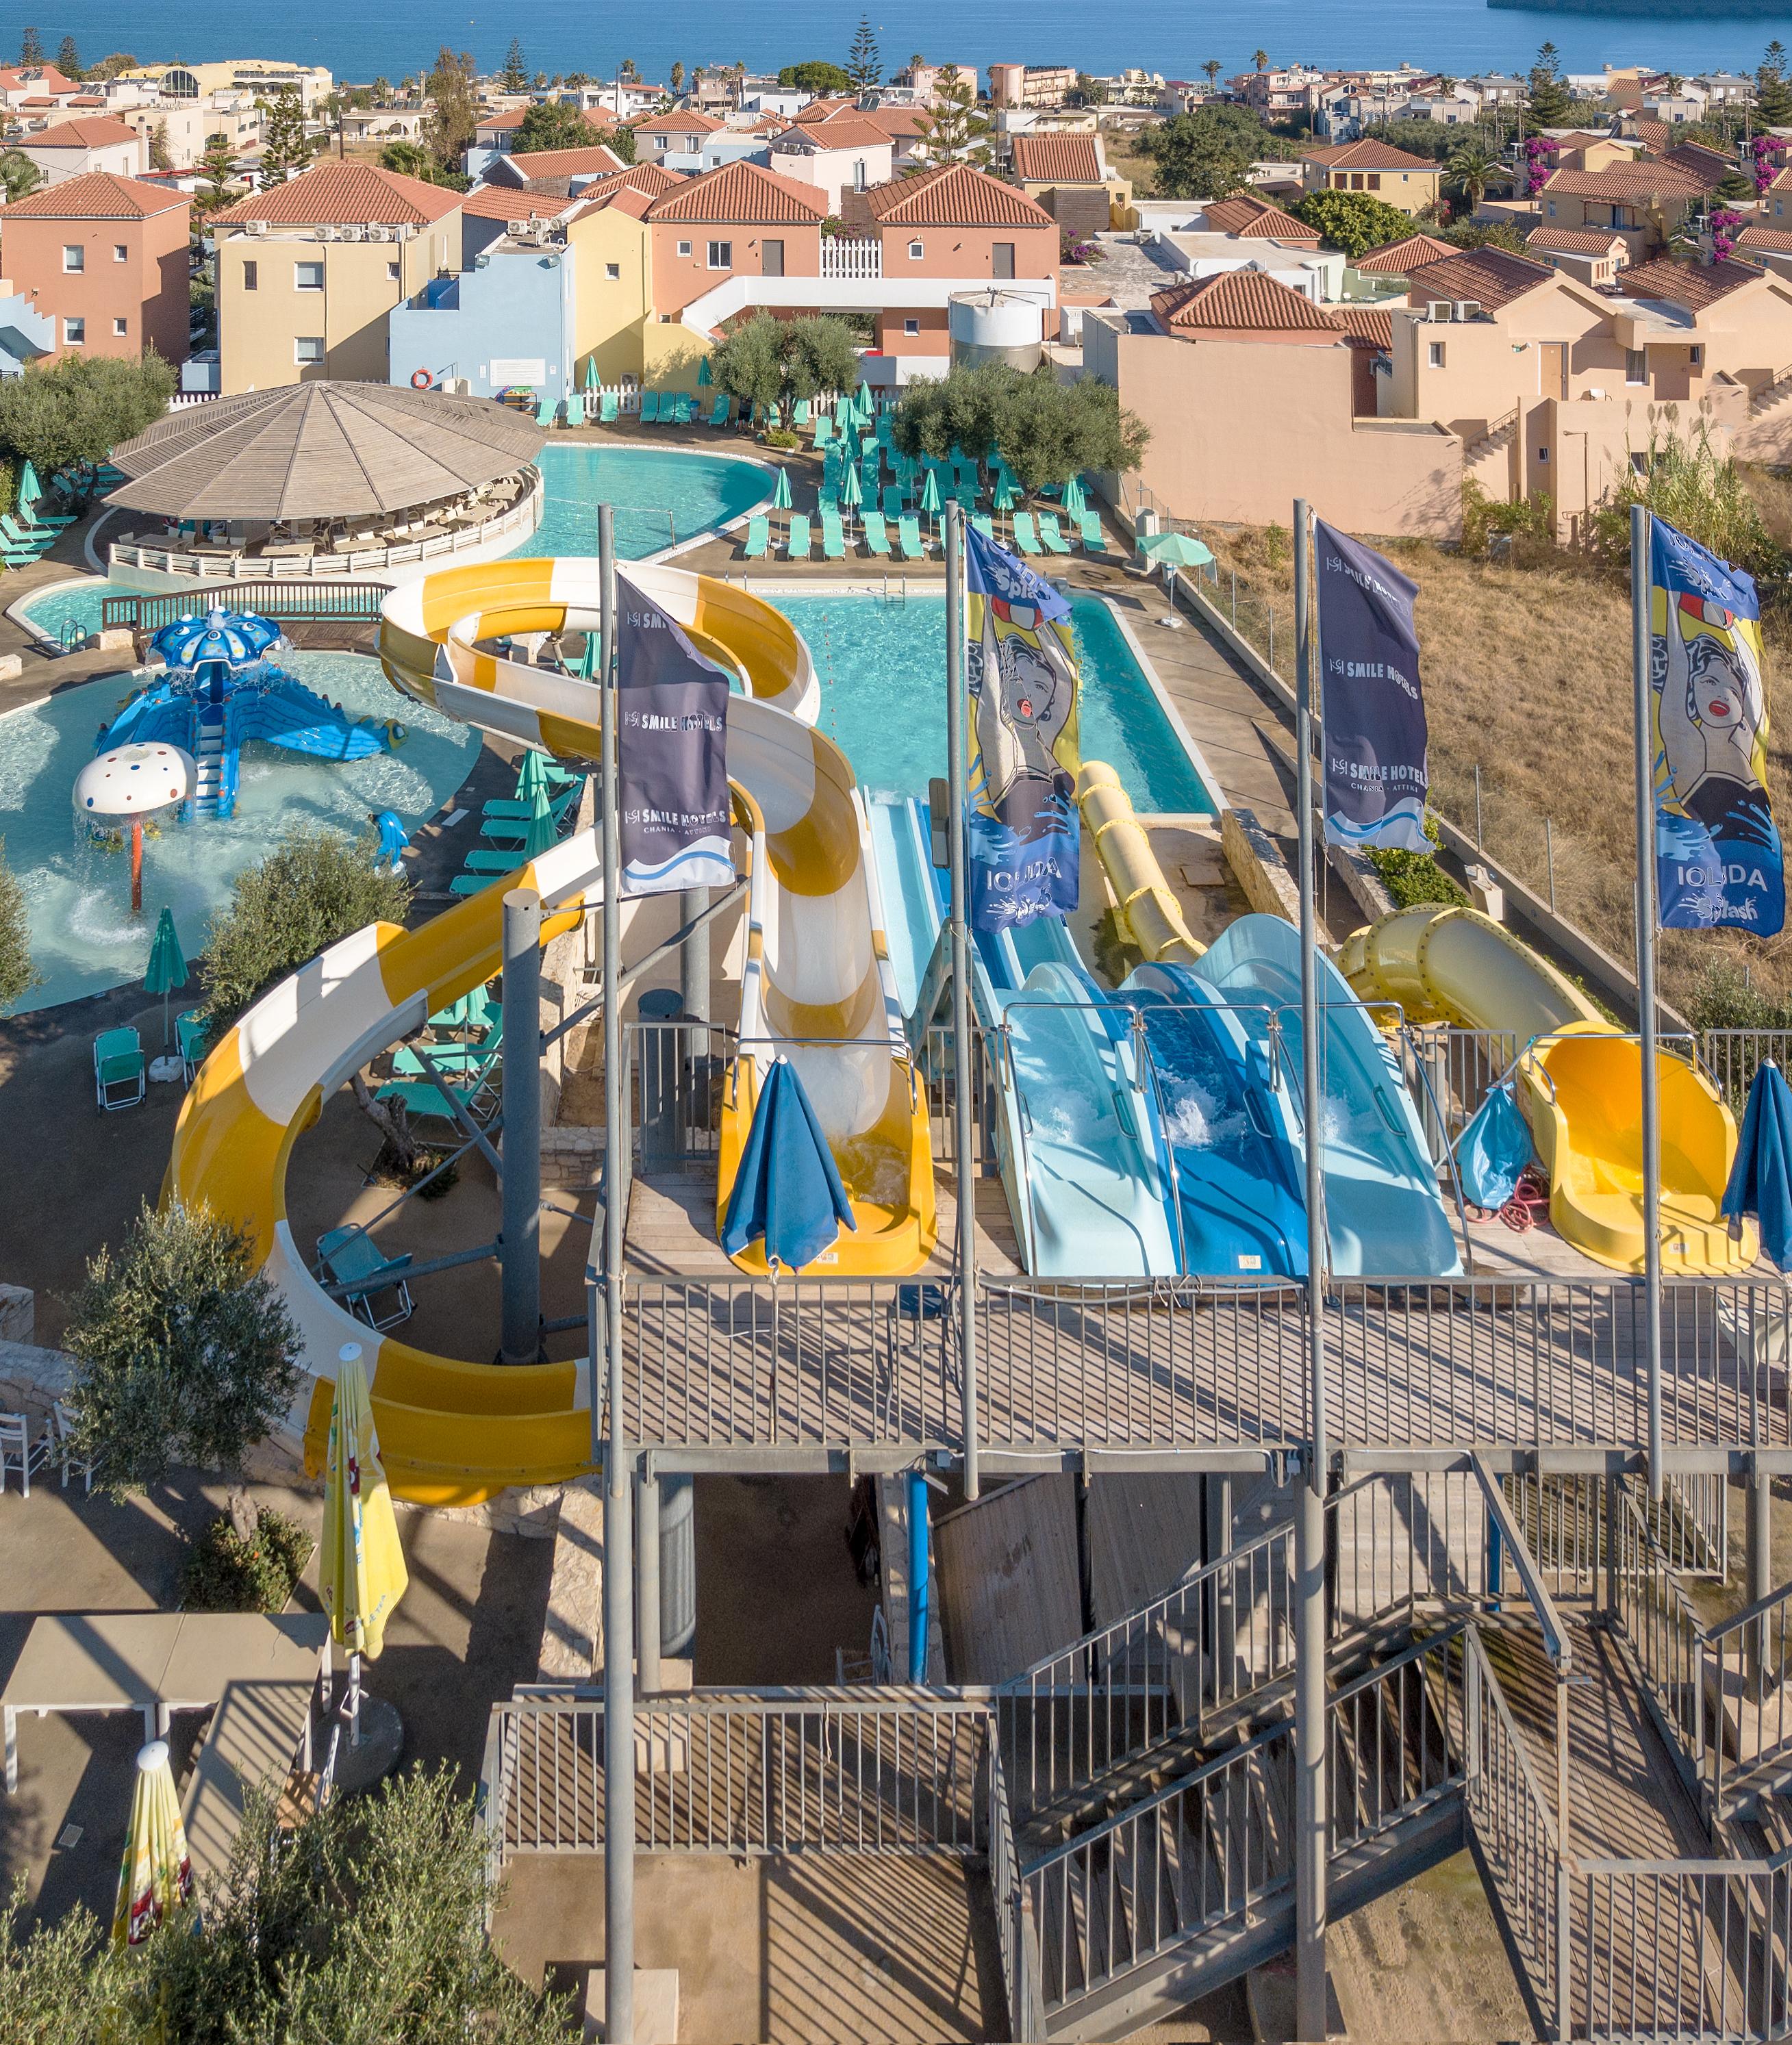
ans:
(451, 1431)
(1581, 1090)
(1148, 908)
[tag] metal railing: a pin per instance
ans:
(286, 603)
(1658, 1623)
(1395, 1738)
(1743, 1687)
(1733, 1057)
(1015, 1935)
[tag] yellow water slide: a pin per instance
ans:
(454, 1432)
(1150, 910)
(1581, 1086)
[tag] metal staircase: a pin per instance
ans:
(208, 760)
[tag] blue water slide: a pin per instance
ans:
(1238, 1156)
(1078, 1140)
(1384, 1215)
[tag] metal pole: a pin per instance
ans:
(1639, 652)
(961, 1058)
(618, 1461)
(520, 1187)
(917, 1598)
(693, 967)
(1310, 1789)
(1760, 1567)
(647, 1582)
(1477, 806)
(1549, 859)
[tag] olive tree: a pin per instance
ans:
(1046, 431)
(767, 361)
(72, 412)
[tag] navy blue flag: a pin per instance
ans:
(1717, 851)
(1374, 712)
(672, 753)
(1021, 670)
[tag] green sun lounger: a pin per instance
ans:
(719, 411)
(1054, 540)
(650, 408)
(758, 537)
(471, 883)
(607, 408)
(683, 410)
(796, 546)
(1088, 524)
(454, 1061)
(908, 538)
(800, 416)
(575, 410)
(823, 430)
(833, 538)
(877, 534)
(545, 410)
(980, 523)
(892, 500)
(1024, 536)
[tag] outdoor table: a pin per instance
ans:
(154, 1662)
(285, 550)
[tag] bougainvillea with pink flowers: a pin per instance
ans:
(1536, 165)
(1725, 226)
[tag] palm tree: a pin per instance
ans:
(1259, 59)
(1472, 165)
(1211, 67)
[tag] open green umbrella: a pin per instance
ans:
(929, 497)
(1075, 503)
(780, 496)
(168, 966)
(1171, 550)
(705, 377)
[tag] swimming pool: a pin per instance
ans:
(83, 937)
(882, 665)
(661, 496)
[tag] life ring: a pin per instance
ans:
(395, 733)
(421, 379)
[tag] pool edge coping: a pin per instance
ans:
(43, 643)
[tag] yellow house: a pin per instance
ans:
(309, 270)
(1394, 176)
(610, 245)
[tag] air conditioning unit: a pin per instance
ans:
(1438, 310)
(254, 227)
(377, 233)
(1468, 309)
(519, 230)
(353, 233)
(327, 234)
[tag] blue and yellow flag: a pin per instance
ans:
(1718, 852)
(1021, 670)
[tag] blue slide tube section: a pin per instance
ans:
(1081, 1151)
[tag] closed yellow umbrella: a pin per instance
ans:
(361, 1573)
(156, 1878)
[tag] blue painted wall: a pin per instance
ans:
(514, 304)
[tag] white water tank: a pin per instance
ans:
(994, 327)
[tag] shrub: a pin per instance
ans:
(780, 436)
(1483, 517)
(1413, 877)
(315, 888)
(1724, 997)
(224, 1573)
(1705, 497)
(17, 975)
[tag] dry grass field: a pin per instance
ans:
(1526, 675)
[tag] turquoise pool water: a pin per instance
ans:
(882, 667)
(83, 937)
(661, 495)
(49, 609)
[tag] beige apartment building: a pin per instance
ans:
(1394, 176)
(309, 270)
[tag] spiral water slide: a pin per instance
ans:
(1581, 1090)
(455, 1432)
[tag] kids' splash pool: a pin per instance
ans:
(83, 937)
(882, 665)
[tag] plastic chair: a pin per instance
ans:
(189, 1040)
(120, 1076)
(575, 410)
(349, 1257)
(908, 538)
(833, 538)
(719, 411)
(876, 532)
(1024, 536)
(18, 1449)
(60, 1441)
(607, 408)
(796, 546)
(1088, 524)
(758, 537)
(650, 408)
(1049, 533)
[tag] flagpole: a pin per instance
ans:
(1310, 1787)
(955, 737)
(618, 1571)
(1641, 580)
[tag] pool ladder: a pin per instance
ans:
(899, 597)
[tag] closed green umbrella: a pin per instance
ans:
(543, 833)
(850, 494)
(591, 372)
(1004, 493)
(929, 497)
(532, 776)
(780, 496)
(30, 489)
(168, 966)
(1075, 504)
(705, 375)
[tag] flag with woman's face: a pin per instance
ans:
(1020, 672)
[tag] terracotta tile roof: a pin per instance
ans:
(1062, 159)
(825, 109)
(1576, 138)
(953, 195)
(1693, 285)
(1655, 135)
(1784, 182)
(503, 123)
(1574, 240)
(1368, 326)
(52, 80)
(898, 122)
(1624, 181)
(1710, 166)
(1240, 301)
(512, 202)
(1256, 220)
(95, 195)
(743, 196)
(1494, 277)
(1401, 258)
(677, 121)
(632, 190)
(596, 161)
(1768, 240)
(103, 134)
(766, 124)
(1367, 155)
(845, 132)
(344, 193)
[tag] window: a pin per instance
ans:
(73, 259)
(684, 248)
(1551, 209)
(307, 276)
(858, 174)
(1543, 454)
(1640, 463)
(1001, 258)
(614, 273)
(915, 251)
(911, 326)
(121, 253)
(721, 255)
(1696, 356)
(1374, 181)
(391, 273)
(661, 141)
(74, 333)
(308, 347)
(251, 277)
(118, 328)
(1356, 180)
(1436, 353)
(1636, 366)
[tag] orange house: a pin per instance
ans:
(737, 220)
(105, 258)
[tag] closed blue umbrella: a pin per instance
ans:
(787, 1192)
(1761, 1178)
